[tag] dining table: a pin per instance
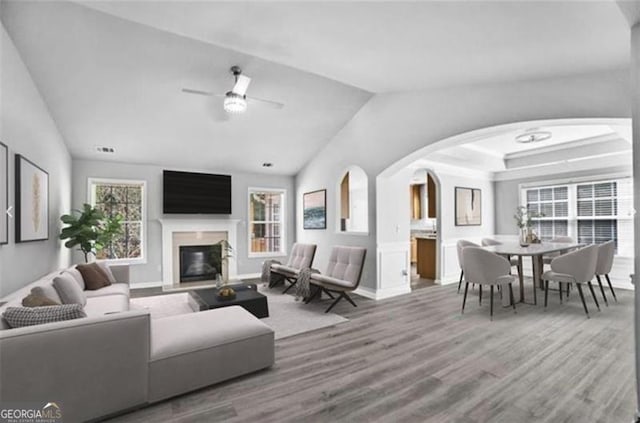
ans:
(536, 251)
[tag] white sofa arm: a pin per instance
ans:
(121, 273)
(90, 367)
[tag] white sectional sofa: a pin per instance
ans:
(117, 359)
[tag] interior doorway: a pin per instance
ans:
(424, 198)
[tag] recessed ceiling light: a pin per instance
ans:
(533, 136)
(267, 164)
(105, 150)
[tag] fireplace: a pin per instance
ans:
(189, 232)
(200, 262)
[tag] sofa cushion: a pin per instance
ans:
(69, 290)
(29, 316)
(47, 290)
(98, 306)
(77, 276)
(116, 288)
(32, 300)
(107, 271)
(93, 275)
(187, 333)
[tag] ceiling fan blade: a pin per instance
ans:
(242, 83)
(199, 92)
(268, 103)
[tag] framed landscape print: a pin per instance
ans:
(468, 206)
(4, 194)
(314, 206)
(32, 201)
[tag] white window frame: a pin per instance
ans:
(567, 218)
(143, 222)
(283, 223)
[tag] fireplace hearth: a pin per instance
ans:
(200, 262)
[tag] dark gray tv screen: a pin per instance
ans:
(196, 193)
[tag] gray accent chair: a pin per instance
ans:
(577, 267)
(301, 257)
(342, 276)
(487, 242)
(461, 245)
(547, 258)
(486, 268)
(606, 252)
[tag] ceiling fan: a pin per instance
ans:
(235, 101)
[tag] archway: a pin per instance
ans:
(393, 229)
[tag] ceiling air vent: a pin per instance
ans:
(105, 150)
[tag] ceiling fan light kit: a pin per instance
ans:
(234, 103)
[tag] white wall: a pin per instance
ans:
(152, 270)
(28, 129)
(392, 126)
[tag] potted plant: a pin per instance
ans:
(225, 291)
(89, 229)
(524, 221)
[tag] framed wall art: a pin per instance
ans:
(32, 201)
(4, 194)
(468, 204)
(314, 206)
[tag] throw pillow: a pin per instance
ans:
(76, 275)
(94, 277)
(107, 271)
(28, 316)
(32, 300)
(68, 289)
(47, 290)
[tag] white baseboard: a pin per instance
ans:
(249, 275)
(382, 294)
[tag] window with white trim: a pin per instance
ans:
(590, 212)
(127, 199)
(266, 222)
(551, 204)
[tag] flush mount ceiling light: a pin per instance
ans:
(532, 135)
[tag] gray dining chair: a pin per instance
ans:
(461, 245)
(606, 251)
(487, 242)
(486, 268)
(577, 267)
(547, 258)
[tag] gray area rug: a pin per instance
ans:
(287, 317)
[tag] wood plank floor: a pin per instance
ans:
(415, 358)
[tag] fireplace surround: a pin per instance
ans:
(187, 232)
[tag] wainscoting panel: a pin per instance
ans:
(393, 272)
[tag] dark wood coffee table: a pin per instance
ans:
(246, 296)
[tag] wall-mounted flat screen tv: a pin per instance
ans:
(196, 193)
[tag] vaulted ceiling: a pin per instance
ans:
(111, 72)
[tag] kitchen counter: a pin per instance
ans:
(424, 235)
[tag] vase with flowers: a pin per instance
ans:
(524, 221)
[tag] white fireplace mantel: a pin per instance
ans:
(171, 225)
